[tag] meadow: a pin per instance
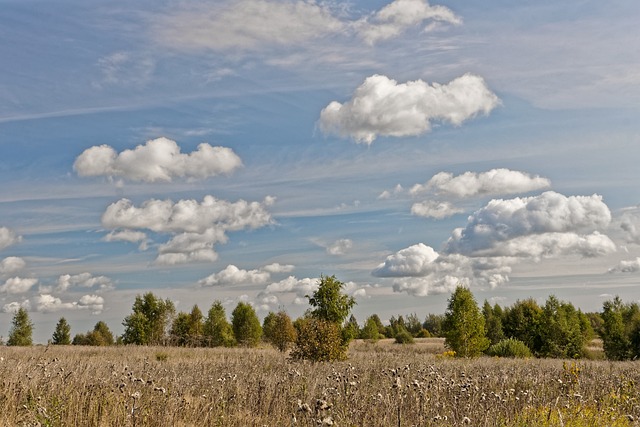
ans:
(381, 384)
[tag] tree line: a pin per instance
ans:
(556, 329)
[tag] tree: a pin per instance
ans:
(101, 335)
(187, 328)
(62, 333)
(328, 301)
(217, 330)
(463, 325)
(246, 325)
(316, 338)
(21, 329)
(433, 324)
(492, 322)
(620, 329)
(351, 329)
(278, 330)
(370, 329)
(561, 335)
(522, 321)
(149, 322)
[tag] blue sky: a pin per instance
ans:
(236, 150)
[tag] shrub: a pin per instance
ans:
(509, 348)
(404, 337)
(319, 340)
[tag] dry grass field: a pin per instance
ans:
(382, 384)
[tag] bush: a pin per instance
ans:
(319, 341)
(510, 348)
(404, 337)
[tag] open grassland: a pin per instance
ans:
(381, 384)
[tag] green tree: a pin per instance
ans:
(318, 340)
(413, 324)
(561, 335)
(522, 321)
(620, 329)
(370, 329)
(100, 336)
(21, 330)
(216, 329)
(433, 324)
(351, 329)
(493, 322)
(328, 301)
(463, 325)
(279, 331)
(246, 325)
(187, 328)
(149, 322)
(62, 333)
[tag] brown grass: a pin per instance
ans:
(382, 384)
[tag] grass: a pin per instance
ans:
(382, 384)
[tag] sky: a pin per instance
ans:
(238, 150)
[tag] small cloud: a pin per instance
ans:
(8, 238)
(11, 265)
(631, 266)
(18, 285)
(340, 247)
(435, 209)
(84, 280)
(13, 307)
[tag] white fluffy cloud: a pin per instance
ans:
(11, 265)
(414, 261)
(502, 220)
(158, 160)
(196, 227)
(8, 238)
(18, 285)
(629, 222)
(46, 303)
(381, 106)
(84, 280)
(399, 15)
(257, 24)
(233, 275)
(494, 182)
(14, 306)
(128, 236)
(630, 266)
(340, 247)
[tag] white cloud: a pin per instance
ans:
(278, 268)
(549, 245)
(18, 285)
(196, 227)
(11, 265)
(128, 236)
(629, 222)
(630, 266)
(46, 303)
(398, 16)
(415, 260)
(382, 107)
(14, 306)
(340, 247)
(469, 184)
(233, 275)
(251, 25)
(301, 287)
(83, 280)
(424, 286)
(434, 209)
(8, 238)
(501, 220)
(158, 160)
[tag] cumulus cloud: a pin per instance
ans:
(340, 247)
(419, 270)
(469, 184)
(249, 25)
(11, 265)
(8, 237)
(502, 220)
(84, 280)
(278, 268)
(128, 236)
(46, 303)
(382, 107)
(299, 289)
(159, 160)
(233, 275)
(14, 306)
(398, 16)
(629, 222)
(18, 285)
(195, 227)
(435, 209)
(630, 266)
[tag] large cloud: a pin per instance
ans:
(158, 160)
(381, 106)
(502, 220)
(46, 303)
(196, 227)
(494, 182)
(8, 238)
(257, 24)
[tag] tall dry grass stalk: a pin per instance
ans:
(380, 385)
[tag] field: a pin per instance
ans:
(381, 384)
